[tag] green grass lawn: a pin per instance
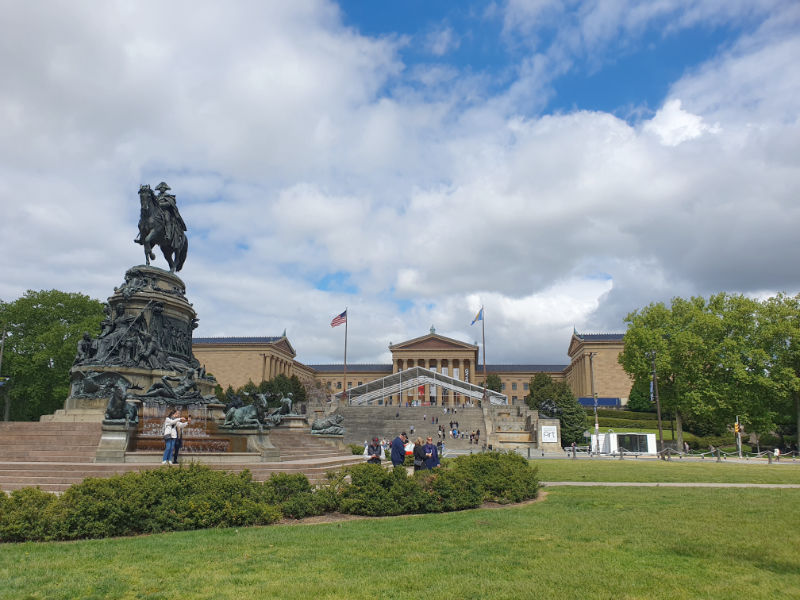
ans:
(676, 470)
(579, 542)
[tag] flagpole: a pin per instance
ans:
(483, 340)
(344, 382)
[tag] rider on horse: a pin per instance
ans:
(161, 224)
(173, 219)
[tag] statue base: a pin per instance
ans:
(115, 441)
(298, 422)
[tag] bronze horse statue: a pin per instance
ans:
(160, 225)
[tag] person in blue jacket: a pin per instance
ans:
(431, 454)
(399, 449)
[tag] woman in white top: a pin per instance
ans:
(170, 435)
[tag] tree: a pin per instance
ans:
(711, 360)
(554, 399)
(493, 382)
(639, 399)
(43, 332)
(779, 334)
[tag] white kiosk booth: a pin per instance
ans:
(633, 443)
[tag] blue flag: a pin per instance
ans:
(478, 317)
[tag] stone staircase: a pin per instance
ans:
(48, 442)
(365, 422)
(56, 455)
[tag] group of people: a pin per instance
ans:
(174, 425)
(426, 453)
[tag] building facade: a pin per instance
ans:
(235, 361)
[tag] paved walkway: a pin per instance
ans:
(670, 484)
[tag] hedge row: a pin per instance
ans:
(629, 423)
(622, 414)
(196, 497)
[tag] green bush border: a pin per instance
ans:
(197, 497)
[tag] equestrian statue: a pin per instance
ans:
(160, 224)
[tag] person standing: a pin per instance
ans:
(398, 447)
(179, 439)
(431, 454)
(374, 452)
(170, 435)
(419, 455)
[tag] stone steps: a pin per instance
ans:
(56, 454)
(47, 442)
(365, 422)
(57, 477)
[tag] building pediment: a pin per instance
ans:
(283, 345)
(579, 341)
(433, 341)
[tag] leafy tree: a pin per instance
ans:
(493, 382)
(639, 399)
(277, 387)
(711, 359)
(779, 334)
(43, 332)
(554, 399)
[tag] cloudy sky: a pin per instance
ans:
(560, 162)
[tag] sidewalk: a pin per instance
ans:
(670, 484)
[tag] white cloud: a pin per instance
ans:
(673, 125)
(299, 148)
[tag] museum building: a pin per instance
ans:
(236, 360)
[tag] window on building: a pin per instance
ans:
(513, 398)
(514, 386)
(525, 386)
(338, 385)
(502, 387)
(349, 384)
(359, 383)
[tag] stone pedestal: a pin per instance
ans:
(253, 440)
(114, 442)
(337, 441)
(146, 335)
(293, 422)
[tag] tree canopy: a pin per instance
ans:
(43, 329)
(720, 358)
(554, 399)
(493, 382)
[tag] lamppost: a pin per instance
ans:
(594, 397)
(652, 356)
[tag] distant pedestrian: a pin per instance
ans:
(419, 455)
(179, 440)
(374, 452)
(398, 450)
(431, 455)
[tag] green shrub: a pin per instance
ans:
(284, 485)
(357, 449)
(450, 490)
(24, 516)
(622, 414)
(606, 422)
(369, 492)
(465, 482)
(503, 477)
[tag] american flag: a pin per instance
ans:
(339, 319)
